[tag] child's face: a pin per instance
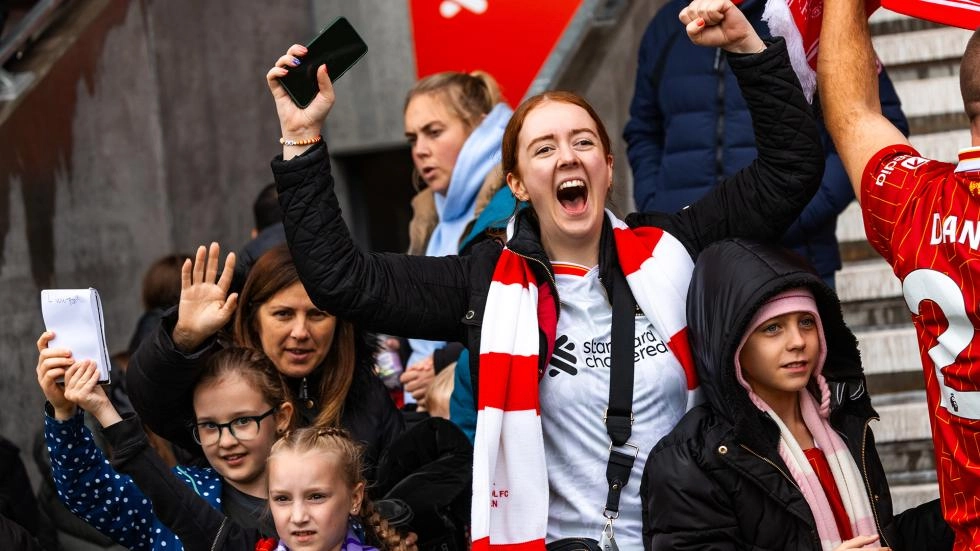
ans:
(780, 354)
(231, 398)
(310, 500)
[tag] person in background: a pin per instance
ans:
(267, 233)
(454, 122)
(690, 128)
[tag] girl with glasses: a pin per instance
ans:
(241, 406)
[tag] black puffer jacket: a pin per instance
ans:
(160, 380)
(717, 480)
(443, 298)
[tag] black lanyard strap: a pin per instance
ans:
(619, 414)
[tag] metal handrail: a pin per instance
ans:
(36, 20)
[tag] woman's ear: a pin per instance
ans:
(610, 163)
(357, 498)
(516, 186)
(283, 415)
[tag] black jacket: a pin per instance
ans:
(443, 298)
(161, 379)
(717, 480)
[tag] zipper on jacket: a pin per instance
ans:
(547, 270)
(775, 466)
(867, 482)
(787, 477)
(217, 536)
(720, 120)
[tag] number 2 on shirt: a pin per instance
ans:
(925, 284)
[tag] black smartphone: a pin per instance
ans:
(338, 46)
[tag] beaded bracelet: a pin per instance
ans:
(307, 141)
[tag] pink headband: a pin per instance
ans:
(798, 299)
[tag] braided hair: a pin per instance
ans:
(350, 460)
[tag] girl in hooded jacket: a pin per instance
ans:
(782, 455)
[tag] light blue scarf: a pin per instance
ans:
(476, 159)
(479, 155)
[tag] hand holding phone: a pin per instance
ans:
(338, 47)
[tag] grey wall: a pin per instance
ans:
(149, 129)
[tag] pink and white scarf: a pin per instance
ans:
(510, 478)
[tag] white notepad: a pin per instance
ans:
(75, 316)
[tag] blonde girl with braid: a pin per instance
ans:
(317, 497)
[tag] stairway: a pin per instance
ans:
(923, 62)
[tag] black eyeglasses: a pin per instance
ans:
(243, 428)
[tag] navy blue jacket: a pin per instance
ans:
(689, 129)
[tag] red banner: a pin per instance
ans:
(510, 39)
(956, 13)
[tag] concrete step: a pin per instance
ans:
(943, 146)
(930, 97)
(891, 360)
(928, 46)
(876, 313)
(882, 15)
(905, 497)
(850, 224)
(867, 280)
(889, 351)
(902, 421)
(909, 462)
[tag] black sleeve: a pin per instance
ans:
(923, 528)
(195, 522)
(160, 380)
(760, 201)
(396, 294)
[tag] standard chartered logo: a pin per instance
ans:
(598, 353)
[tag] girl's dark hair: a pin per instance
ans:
(271, 273)
(253, 366)
(350, 460)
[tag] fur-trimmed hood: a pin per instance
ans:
(732, 279)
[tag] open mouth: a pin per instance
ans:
(573, 196)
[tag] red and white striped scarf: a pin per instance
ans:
(799, 23)
(510, 478)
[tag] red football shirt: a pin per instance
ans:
(818, 461)
(923, 216)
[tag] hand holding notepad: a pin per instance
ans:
(75, 317)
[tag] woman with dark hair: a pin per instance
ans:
(542, 379)
(327, 363)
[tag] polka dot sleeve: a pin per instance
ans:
(90, 488)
